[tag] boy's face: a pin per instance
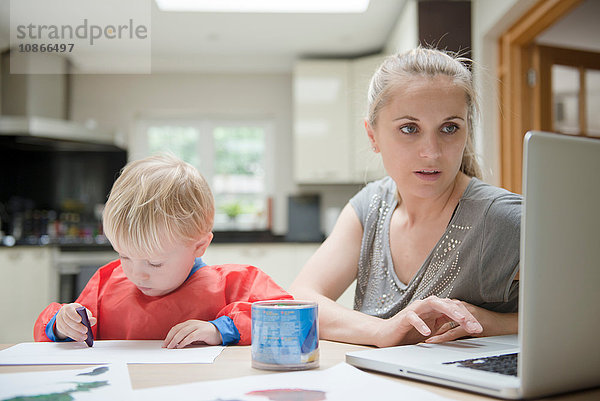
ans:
(161, 273)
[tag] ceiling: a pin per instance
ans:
(579, 29)
(269, 43)
(251, 42)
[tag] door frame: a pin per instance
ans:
(519, 105)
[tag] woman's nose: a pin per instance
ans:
(430, 147)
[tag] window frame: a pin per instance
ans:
(138, 143)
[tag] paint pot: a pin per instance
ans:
(285, 335)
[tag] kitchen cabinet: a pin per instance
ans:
(281, 261)
(366, 164)
(29, 283)
(330, 143)
(321, 124)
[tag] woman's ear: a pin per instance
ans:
(371, 135)
(202, 243)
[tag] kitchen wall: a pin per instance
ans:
(116, 102)
(405, 34)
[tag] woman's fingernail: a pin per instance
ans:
(473, 326)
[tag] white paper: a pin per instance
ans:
(341, 382)
(108, 382)
(105, 351)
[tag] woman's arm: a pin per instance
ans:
(327, 274)
(330, 271)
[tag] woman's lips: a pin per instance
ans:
(428, 175)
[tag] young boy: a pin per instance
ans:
(159, 218)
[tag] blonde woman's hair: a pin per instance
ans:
(157, 202)
(401, 68)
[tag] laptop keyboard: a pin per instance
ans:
(503, 364)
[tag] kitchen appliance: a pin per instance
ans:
(52, 191)
(304, 221)
(37, 105)
(56, 173)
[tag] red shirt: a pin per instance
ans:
(125, 313)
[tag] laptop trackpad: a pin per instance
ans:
(476, 345)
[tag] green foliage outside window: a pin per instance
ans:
(239, 151)
(237, 174)
(181, 141)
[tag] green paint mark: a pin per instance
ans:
(95, 372)
(64, 396)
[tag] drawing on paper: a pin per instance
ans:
(95, 372)
(59, 386)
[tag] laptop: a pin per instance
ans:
(557, 348)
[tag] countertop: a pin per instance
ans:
(220, 237)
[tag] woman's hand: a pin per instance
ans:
(421, 318)
(494, 324)
(192, 332)
(68, 323)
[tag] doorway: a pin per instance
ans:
(543, 87)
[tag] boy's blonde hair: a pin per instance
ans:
(157, 202)
(400, 68)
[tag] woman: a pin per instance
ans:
(429, 234)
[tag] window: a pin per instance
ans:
(233, 156)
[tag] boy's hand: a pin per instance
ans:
(68, 323)
(192, 332)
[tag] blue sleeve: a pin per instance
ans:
(226, 327)
(198, 264)
(50, 330)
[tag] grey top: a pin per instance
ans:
(475, 260)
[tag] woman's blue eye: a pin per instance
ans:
(450, 129)
(408, 129)
(157, 265)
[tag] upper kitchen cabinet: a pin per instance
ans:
(366, 165)
(330, 143)
(321, 122)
